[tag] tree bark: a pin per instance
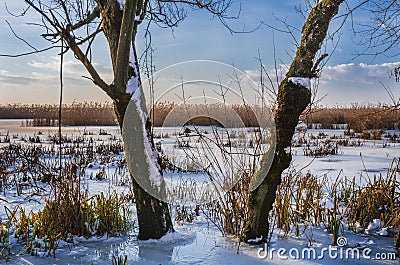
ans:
(153, 214)
(120, 28)
(292, 98)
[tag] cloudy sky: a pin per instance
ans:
(346, 78)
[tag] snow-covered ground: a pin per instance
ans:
(200, 242)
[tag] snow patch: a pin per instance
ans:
(384, 232)
(301, 126)
(367, 241)
(169, 238)
(132, 85)
(359, 227)
(302, 81)
(255, 240)
(172, 237)
(137, 18)
(374, 226)
(133, 82)
(121, 4)
(328, 203)
(288, 150)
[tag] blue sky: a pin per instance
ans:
(345, 79)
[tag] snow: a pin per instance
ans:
(302, 81)
(288, 150)
(347, 163)
(151, 155)
(121, 4)
(255, 240)
(374, 226)
(200, 242)
(132, 85)
(169, 238)
(301, 126)
(359, 228)
(133, 82)
(384, 232)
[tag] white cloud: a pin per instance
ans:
(280, 72)
(352, 73)
(70, 67)
(7, 78)
(367, 74)
(347, 83)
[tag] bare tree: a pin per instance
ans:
(293, 97)
(76, 24)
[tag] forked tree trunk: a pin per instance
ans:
(293, 98)
(120, 29)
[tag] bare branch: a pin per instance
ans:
(88, 19)
(124, 43)
(91, 36)
(23, 13)
(28, 53)
(23, 40)
(382, 35)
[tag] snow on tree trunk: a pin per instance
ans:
(140, 152)
(142, 158)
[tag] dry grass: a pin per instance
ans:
(357, 117)
(79, 114)
(75, 114)
(68, 209)
(304, 200)
(229, 116)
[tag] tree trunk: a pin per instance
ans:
(120, 29)
(153, 214)
(293, 98)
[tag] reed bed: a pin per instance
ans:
(359, 117)
(75, 114)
